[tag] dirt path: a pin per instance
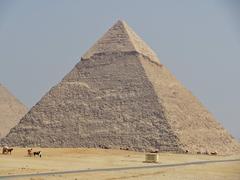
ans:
(118, 169)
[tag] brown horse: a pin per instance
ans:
(29, 151)
(7, 150)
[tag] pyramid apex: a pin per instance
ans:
(120, 21)
(121, 38)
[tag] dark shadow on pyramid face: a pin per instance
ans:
(120, 96)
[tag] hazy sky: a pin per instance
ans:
(199, 41)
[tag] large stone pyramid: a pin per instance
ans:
(120, 96)
(11, 111)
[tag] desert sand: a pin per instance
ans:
(68, 159)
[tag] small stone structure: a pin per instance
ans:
(152, 158)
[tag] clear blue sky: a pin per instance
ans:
(199, 41)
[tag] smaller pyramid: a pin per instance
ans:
(11, 111)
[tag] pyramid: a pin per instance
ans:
(120, 96)
(11, 111)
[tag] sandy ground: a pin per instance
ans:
(65, 159)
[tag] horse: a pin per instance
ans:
(29, 152)
(7, 150)
(10, 150)
(37, 153)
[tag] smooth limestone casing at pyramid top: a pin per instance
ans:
(120, 96)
